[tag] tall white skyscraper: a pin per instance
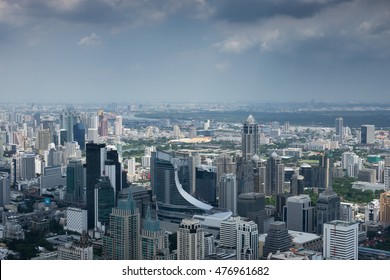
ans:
(190, 240)
(131, 166)
(340, 240)
(339, 129)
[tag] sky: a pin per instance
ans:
(194, 50)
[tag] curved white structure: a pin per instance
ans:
(176, 164)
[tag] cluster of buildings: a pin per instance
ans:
(193, 206)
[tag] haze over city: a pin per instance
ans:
(126, 51)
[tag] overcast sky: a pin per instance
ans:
(196, 50)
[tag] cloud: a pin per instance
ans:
(223, 66)
(340, 27)
(90, 40)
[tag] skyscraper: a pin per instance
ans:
(328, 203)
(124, 239)
(250, 138)
(277, 239)
(206, 183)
(104, 201)
(247, 240)
(4, 189)
(190, 240)
(228, 192)
(275, 175)
(339, 129)
(245, 176)
(367, 134)
(44, 139)
(153, 239)
(79, 135)
(252, 206)
(340, 240)
(95, 158)
(75, 181)
(300, 213)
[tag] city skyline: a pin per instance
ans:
(145, 51)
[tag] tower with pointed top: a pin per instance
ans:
(250, 138)
(328, 203)
(123, 240)
(154, 243)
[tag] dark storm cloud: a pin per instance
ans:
(252, 10)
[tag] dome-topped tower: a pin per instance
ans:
(250, 138)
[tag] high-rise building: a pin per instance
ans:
(190, 240)
(386, 174)
(299, 214)
(367, 134)
(228, 192)
(247, 240)
(275, 175)
(340, 240)
(351, 163)
(245, 176)
(206, 183)
(277, 239)
(225, 165)
(123, 240)
(250, 138)
(27, 171)
(104, 202)
(297, 184)
(339, 129)
(79, 135)
(118, 126)
(328, 204)
(76, 219)
(95, 158)
(228, 233)
(44, 139)
(75, 181)
(153, 239)
(252, 206)
(131, 166)
(4, 189)
(384, 210)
